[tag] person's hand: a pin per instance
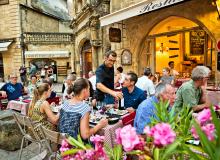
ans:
(118, 95)
(103, 122)
(130, 109)
(4, 94)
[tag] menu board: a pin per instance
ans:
(197, 42)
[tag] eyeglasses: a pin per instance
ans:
(14, 77)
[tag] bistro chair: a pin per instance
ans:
(128, 119)
(3, 103)
(54, 137)
(28, 130)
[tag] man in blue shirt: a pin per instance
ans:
(133, 95)
(105, 80)
(146, 109)
(13, 89)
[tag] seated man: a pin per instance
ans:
(146, 109)
(191, 92)
(133, 95)
(12, 90)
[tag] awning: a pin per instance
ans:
(135, 10)
(4, 45)
(47, 54)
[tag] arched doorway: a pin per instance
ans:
(86, 58)
(180, 40)
(1, 66)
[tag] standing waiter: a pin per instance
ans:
(105, 80)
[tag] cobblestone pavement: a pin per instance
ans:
(31, 150)
(28, 153)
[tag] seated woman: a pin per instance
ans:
(74, 115)
(166, 78)
(40, 110)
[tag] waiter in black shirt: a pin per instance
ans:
(105, 80)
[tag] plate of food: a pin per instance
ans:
(94, 119)
(55, 109)
(113, 120)
(117, 112)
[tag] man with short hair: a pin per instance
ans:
(146, 84)
(146, 110)
(191, 92)
(12, 90)
(105, 80)
(32, 85)
(133, 95)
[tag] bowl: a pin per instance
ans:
(113, 120)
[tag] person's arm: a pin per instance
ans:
(190, 99)
(3, 91)
(103, 88)
(51, 116)
(86, 131)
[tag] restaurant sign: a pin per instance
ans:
(137, 9)
(47, 54)
(157, 4)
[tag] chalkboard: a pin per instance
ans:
(218, 61)
(197, 42)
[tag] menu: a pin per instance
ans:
(197, 42)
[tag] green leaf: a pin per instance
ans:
(156, 153)
(79, 139)
(206, 144)
(190, 152)
(217, 125)
(135, 152)
(70, 152)
(75, 143)
(169, 150)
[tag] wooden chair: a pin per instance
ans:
(128, 119)
(28, 130)
(54, 137)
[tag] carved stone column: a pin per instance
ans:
(95, 39)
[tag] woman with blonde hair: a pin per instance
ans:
(40, 110)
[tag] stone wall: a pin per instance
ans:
(10, 29)
(137, 28)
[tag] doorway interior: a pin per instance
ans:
(86, 59)
(182, 41)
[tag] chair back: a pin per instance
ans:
(53, 136)
(26, 126)
(128, 119)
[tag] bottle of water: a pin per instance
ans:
(121, 104)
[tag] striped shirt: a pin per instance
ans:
(70, 116)
(82, 108)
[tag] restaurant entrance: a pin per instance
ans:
(182, 41)
(86, 59)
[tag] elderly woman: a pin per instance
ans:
(191, 92)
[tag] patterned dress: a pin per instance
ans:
(41, 118)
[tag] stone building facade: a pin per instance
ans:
(90, 42)
(36, 37)
(157, 33)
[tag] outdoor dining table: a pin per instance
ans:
(18, 105)
(213, 95)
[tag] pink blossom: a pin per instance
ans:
(194, 133)
(204, 116)
(162, 134)
(209, 130)
(128, 137)
(97, 138)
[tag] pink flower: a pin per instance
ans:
(162, 134)
(65, 146)
(97, 138)
(204, 116)
(128, 137)
(209, 130)
(194, 133)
